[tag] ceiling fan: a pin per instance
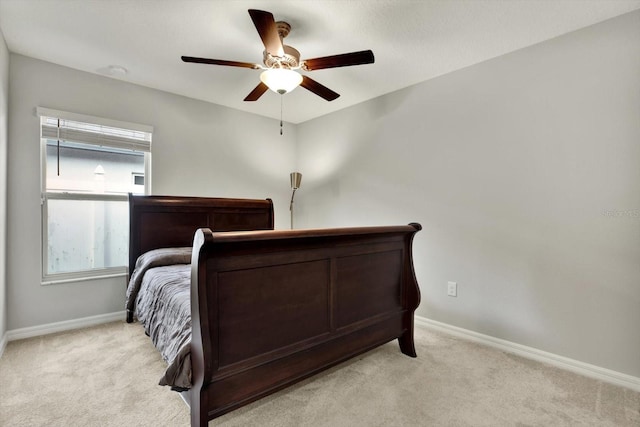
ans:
(281, 61)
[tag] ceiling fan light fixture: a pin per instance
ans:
(281, 80)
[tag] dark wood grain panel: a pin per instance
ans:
(263, 309)
(367, 285)
(231, 392)
(169, 229)
(239, 221)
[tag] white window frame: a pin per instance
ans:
(101, 273)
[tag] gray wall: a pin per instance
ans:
(525, 174)
(198, 149)
(4, 111)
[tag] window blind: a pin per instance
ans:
(94, 130)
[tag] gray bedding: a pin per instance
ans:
(158, 294)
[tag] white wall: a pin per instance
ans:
(4, 111)
(525, 174)
(198, 149)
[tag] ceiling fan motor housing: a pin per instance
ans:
(283, 29)
(291, 58)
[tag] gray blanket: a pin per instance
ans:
(158, 294)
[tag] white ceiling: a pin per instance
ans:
(412, 40)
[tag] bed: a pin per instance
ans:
(267, 308)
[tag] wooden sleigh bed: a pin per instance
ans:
(270, 308)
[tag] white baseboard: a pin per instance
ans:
(603, 374)
(67, 325)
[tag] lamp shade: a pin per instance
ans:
(296, 178)
(281, 80)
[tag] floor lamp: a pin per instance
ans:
(296, 178)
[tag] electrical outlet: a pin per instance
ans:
(452, 289)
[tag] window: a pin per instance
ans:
(89, 165)
(138, 179)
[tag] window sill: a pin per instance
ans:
(58, 281)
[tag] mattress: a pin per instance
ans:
(159, 296)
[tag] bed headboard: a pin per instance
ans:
(168, 221)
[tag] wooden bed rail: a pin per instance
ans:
(270, 308)
(255, 235)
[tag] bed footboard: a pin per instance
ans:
(270, 308)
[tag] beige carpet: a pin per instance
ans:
(107, 376)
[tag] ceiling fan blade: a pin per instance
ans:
(320, 90)
(343, 60)
(257, 92)
(220, 62)
(266, 26)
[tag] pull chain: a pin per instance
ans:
(281, 114)
(58, 153)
